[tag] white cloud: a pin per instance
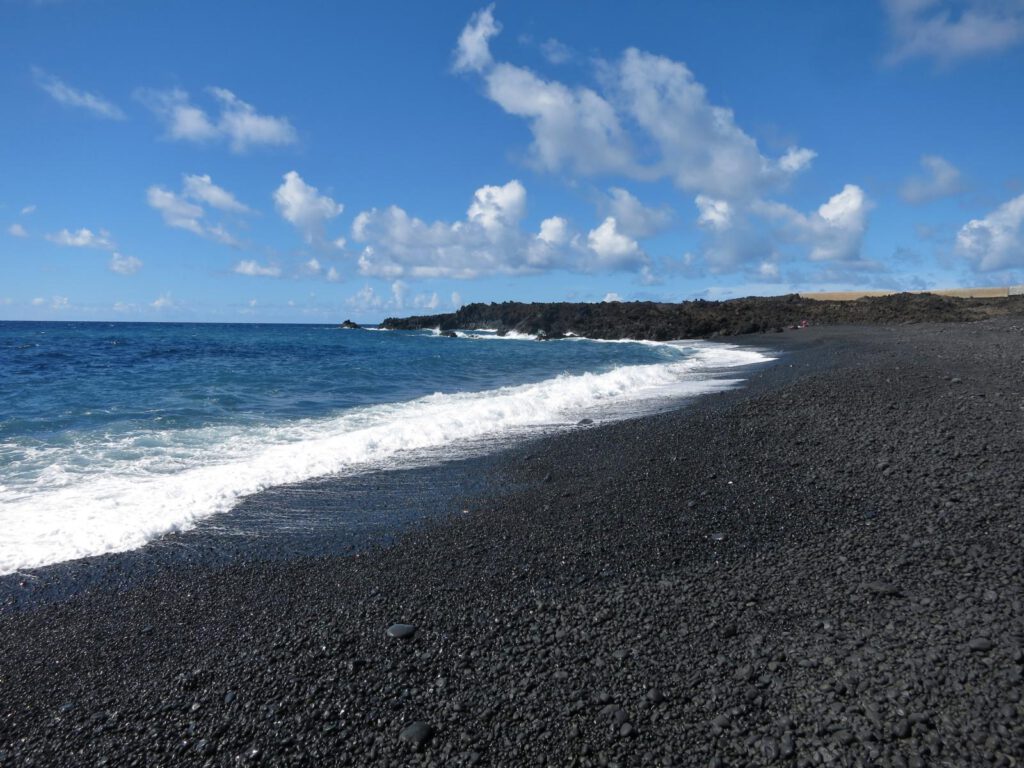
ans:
(768, 269)
(610, 297)
(60, 302)
(947, 31)
(714, 214)
(28, 209)
(124, 265)
(488, 241)
(181, 119)
(72, 97)
(942, 180)
(398, 289)
(796, 159)
(573, 129)
(255, 269)
(995, 241)
(472, 54)
(16, 230)
(633, 217)
(176, 210)
(83, 238)
(312, 267)
(686, 138)
(365, 299)
(614, 250)
(554, 231)
(164, 301)
(426, 301)
(456, 299)
(38, 302)
(834, 232)
(244, 127)
(555, 51)
(221, 235)
(203, 189)
(183, 210)
(333, 276)
(496, 208)
(304, 207)
(702, 148)
(238, 122)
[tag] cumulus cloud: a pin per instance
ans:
(124, 265)
(834, 231)
(497, 208)
(305, 208)
(613, 249)
(633, 217)
(610, 297)
(255, 269)
(72, 97)
(554, 231)
(16, 230)
(714, 214)
(941, 179)
(686, 138)
(238, 123)
(164, 301)
(28, 209)
(947, 30)
(83, 238)
(573, 129)
(184, 210)
(490, 240)
(995, 241)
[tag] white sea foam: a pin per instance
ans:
(114, 495)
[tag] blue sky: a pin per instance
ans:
(308, 162)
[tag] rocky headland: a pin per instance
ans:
(706, 319)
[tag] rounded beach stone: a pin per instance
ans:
(401, 631)
(416, 733)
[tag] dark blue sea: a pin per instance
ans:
(112, 434)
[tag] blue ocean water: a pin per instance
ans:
(114, 433)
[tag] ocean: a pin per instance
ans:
(113, 434)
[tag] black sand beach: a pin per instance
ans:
(821, 568)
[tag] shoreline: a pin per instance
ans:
(328, 515)
(821, 565)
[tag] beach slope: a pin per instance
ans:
(820, 568)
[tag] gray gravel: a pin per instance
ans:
(824, 568)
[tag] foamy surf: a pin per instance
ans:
(100, 497)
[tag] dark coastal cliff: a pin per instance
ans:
(701, 319)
